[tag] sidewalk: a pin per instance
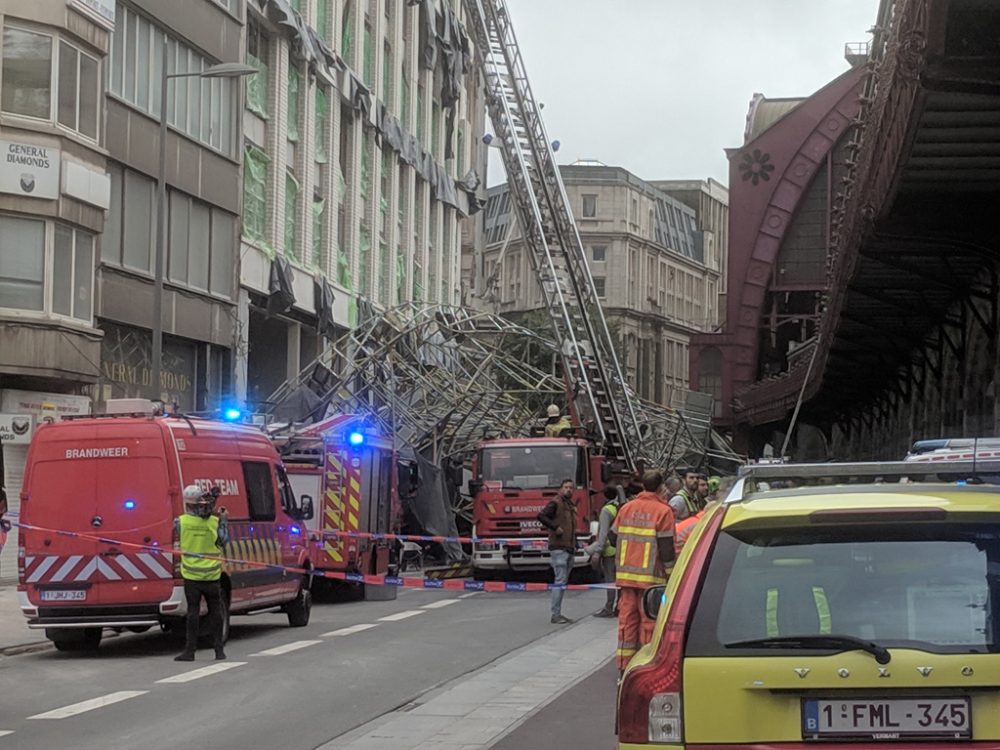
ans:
(583, 718)
(475, 711)
(14, 633)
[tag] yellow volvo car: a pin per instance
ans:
(807, 609)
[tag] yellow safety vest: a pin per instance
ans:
(609, 548)
(199, 536)
(822, 611)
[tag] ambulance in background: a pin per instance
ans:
(943, 450)
(103, 493)
(350, 473)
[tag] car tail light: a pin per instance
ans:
(649, 707)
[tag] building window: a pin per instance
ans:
(255, 166)
(321, 126)
(294, 81)
(318, 211)
(36, 71)
(291, 215)
(589, 206)
(368, 69)
(599, 286)
(599, 253)
(29, 247)
(323, 19)
(258, 55)
(347, 33)
(387, 66)
(189, 242)
(200, 108)
(421, 116)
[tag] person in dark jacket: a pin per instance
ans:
(559, 517)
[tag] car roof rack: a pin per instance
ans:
(756, 477)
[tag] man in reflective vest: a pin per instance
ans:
(685, 503)
(602, 551)
(683, 529)
(202, 537)
(643, 533)
(555, 423)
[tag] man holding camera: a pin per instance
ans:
(203, 535)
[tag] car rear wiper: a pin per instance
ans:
(839, 642)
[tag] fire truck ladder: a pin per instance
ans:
(593, 373)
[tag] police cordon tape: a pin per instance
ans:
(372, 580)
(389, 537)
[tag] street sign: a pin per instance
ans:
(16, 429)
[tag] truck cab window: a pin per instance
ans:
(260, 490)
(288, 500)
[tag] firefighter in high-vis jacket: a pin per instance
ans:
(643, 534)
(203, 536)
(601, 551)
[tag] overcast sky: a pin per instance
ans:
(661, 87)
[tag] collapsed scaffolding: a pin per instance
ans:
(441, 378)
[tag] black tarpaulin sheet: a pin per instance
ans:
(431, 506)
(280, 295)
(324, 298)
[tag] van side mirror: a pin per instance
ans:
(306, 509)
(653, 600)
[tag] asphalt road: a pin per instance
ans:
(281, 687)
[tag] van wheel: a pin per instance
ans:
(298, 611)
(75, 641)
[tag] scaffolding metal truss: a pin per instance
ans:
(442, 378)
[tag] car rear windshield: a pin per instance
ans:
(932, 587)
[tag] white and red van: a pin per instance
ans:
(99, 499)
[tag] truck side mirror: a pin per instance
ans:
(475, 486)
(605, 472)
(306, 509)
(653, 600)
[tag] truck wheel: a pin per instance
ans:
(299, 609)
(76, 641)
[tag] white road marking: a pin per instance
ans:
(288, 647)
(440, 603)
(5, 732)
(84, 706)
(197, 674)
(471, 593)
(402, 615)
(348, 631)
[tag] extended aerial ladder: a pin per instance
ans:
(599, 396)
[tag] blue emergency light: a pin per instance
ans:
(295, 530)
(356, 438)
(232, 414)
(129, 504)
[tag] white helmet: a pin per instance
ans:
(553, 410)
(199, 501)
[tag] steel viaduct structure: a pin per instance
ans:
(894, 170)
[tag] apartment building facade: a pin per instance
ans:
(657, 273)
(362, 155)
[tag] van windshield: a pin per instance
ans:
(931, 587)
(524, 467)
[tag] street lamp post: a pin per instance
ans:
(222, 70)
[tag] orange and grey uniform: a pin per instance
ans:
(639, 527)
(683, 529)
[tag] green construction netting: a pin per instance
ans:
(257, 87)
(368, 72)
(364, 258)
(293, 104)
(319, 208)
(347, 33)
(384, 274)
(320, 127)
(400, 277)
(291, 215)
(366, 165)
(255, 164)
